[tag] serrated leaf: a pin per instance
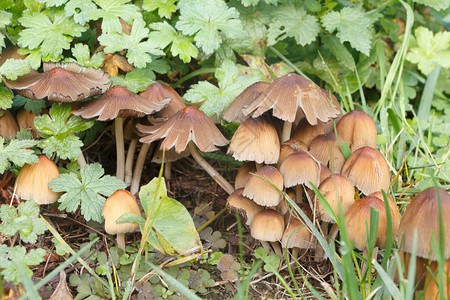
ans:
(16, 152)
(31, 105)
(89, 190)
(11, 258)
(49, 3)
(136, 80)
(66, 147)
(292, 21)
(339, 51)
(13, 68)
(436, 4)
(110, 11)
(353, 25)
(5, 19)
(208, 20)
(80, 9)
(165, 7)
(83, 56)
(6, 97)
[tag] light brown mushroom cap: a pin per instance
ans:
(300, 168)
(282, 207)
(243, 175)
(325, 146)
(262, 192)
(8, 125)
(234, 112)
(25, 119)
(358, 129)
(289, 92)
(243, 205)
(335, 189)
(10, 52)
(188, 124)
(422, 214)
(356, 217)
(301, 238)
(61, 82)
(119, 102)
(431, 290)
(170, 155)
(119, 203)
(395, 214)
(268, 226)
(306, 132)
(368, 170)
(289, 147)
(256, 139)
(32, 181)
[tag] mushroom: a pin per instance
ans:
(8, 125)
(119, 203)
(325, 148)
(306, 132)
(243, 205)
(261, 191)
(32, 181)
(268, 226)
(297, 235)
(358, 129)
(243, 175)
(289, 147)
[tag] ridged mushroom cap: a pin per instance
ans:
(358, 129)
(256, 139)
(422, 214)
(32, 181)
(243, 205)
(234, 112)
(368, 170)
(262, 192)
(8, 125)
(431, 290)
(290, 92)
(188, 124)
(289, 147)
(300, 168)
(61, 82)
(243, 175)
(25, 119)
(325, 146)
(170, 155)
(119, 203)
(296, 234)
(267, 225)
(306, 132)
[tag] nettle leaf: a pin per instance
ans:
(231, 84)
(165, 34)
(24, 220)
(207, 20)
(11, 258)
(79, 9)
(57, 129)
(13, 68)
(17, 153)
(353, 25)
(139, 53)
(32, 105)
(430, 50)
(110, 11)
(165, 7)
(5, 19)
(51, 34)
(89, 190)
(292, 21)
(6, 97)
(83, 56)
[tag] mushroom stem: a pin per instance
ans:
(332, 236)
(320, 252)
(286, 133)
(276, 246)
(129, 161)
(210, 170)
(258, 166)
(368, 263)
(298, 193)
(267, 247)
(81, 160)
(121, 241)
(120, 148)
(138, 168)
(168, 170)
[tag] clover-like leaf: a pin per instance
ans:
(16, 152)
(83, 56)
(110, 11)
(12, 258)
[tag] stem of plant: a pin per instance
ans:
(120, 148)
(135, 182)
(121, 241)
(286, 133)
(258, 166)
(129, 161)
(168, 170)
(81, 160)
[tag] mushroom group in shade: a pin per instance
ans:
(248, 208)
(261, 191)
(8, 125)
(189, 128)
(119, 203)
(358, 129)
(32, 181)
(61, 82)
(268, 226)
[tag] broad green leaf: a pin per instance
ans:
(83, 56)
(88, 190)
(32, 105)
(5, 19)
(436, 4)
(6, 97)
(339, 51)
(110, 11)
(11, 258)
(17, 153)
(79, 9)
(13, 68)
(165, 7)
(49, 3)
(135, 81)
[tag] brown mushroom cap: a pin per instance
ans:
(422, 214)
(321, 147)
(306, 132)
(300, 168)
(289, 147)
(116, 205)
(245, 206)
(267, 225)
(119, 102)
(234, 112)
(359, 213)
(358, 129)
(8, 125)
(188, 124)
(368, 170)
(289, 92)
(170, 155)
(431, 290)
(301, 238)
(256, 139)
(262, 192)
(243, 175)
(61, 82)
(32, 181)
(10, 52)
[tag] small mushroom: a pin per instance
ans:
(358, 129)
(325, 148)
(243, 175)
(268, 226)
(244, 205)
(306, 132)
(261, 191)
(8, 125)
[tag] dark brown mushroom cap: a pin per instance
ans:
(10, 52)
(289, 92)
(61, 82)
(422, 214)
(358, 129)
(8, 125)
(321, 150)
(188, 124)
(118, 101)
(234, 112)
(306, 132)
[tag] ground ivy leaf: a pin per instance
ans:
(110, 11)
(83, 56)
(79, 9)
(430, 50)
(16, 152)
(207, 20)
(31, 105)
(165, 7)
(6, 97)
(89, 190)
(292, 21)
(353, 25)
(13, 68)
(52, 34)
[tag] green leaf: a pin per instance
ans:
(430, 50)
(79, 9)
(83, 56)
(12, 258)
(49, 3)
(165, 34)
(5, 19)
(16, 152)
(436, 4)
(165, 7)
(31, 105)
(208, 20)
(339, 51)
(6, 97)
(353, 25)
(139, 53)
(136, 80)
(292, 21)
(51, 34)
(13, 68)
(110, 11)
(88, 190)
